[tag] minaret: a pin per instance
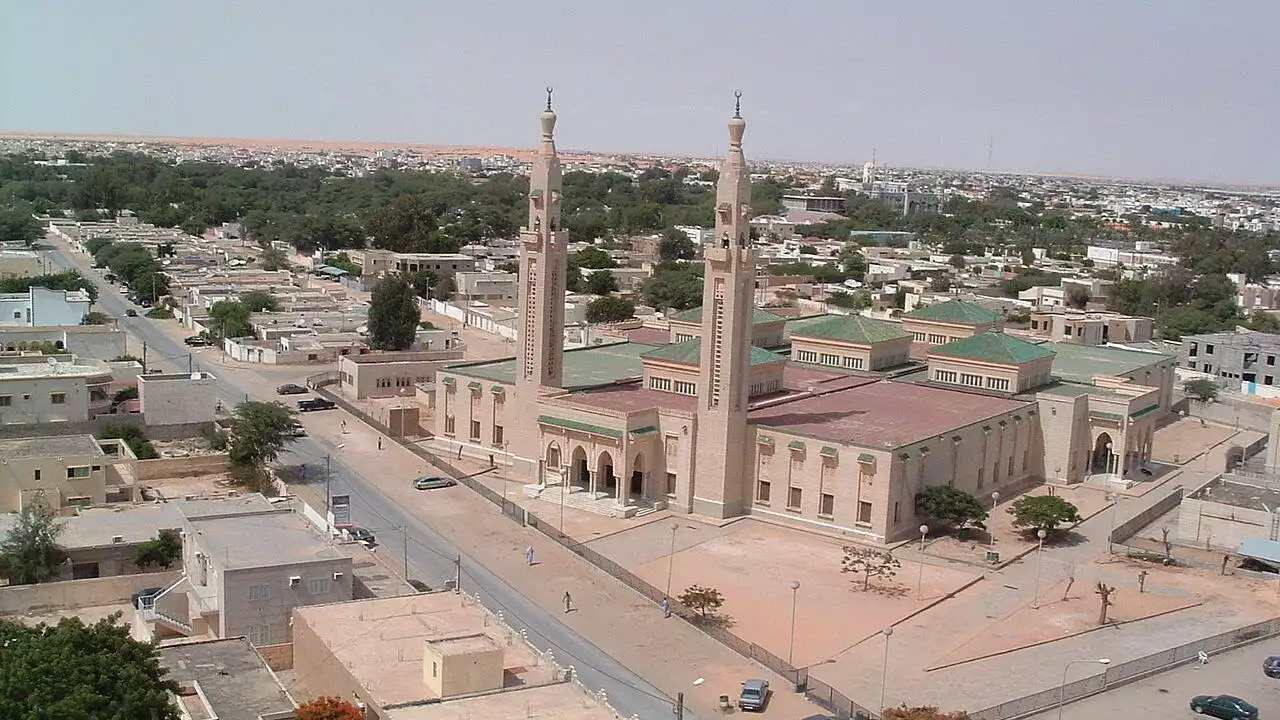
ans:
(543, 266)
(720, 484)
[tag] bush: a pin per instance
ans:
(133, 437)
(1042, 512)
(160, 313)
(163, 551)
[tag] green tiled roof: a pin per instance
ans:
(497, 390)
(449, 381)
(474, 385)
(758, 316)
(579, 426)
(689, 352)
(1144, 412)
(994, 348)
(589, 367)
(796, 445)
(828, 451)
(852, 329)
(764, 439)
(1080, 363)
(954, 311)
(866, 458)
(1104, 415)
(644, 431)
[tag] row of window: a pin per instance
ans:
(795, 496)
(315, 586)
(832, 360)
(58, 398)
(77, 472)
(385, 382)
(680, 387)
(970, 380)
(932, 338)
(474, 434)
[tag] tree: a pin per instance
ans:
(132, 436)
(444, 289)
(940, 284)
(703, 600)
(95, 318)
(951, 505)
(162, 551)
(675, 245)
(273, 258)
(677, 286)
(423, 281)
(123, 394)
(260, 301)
(1201, 390)
(328, 708)
(957, 261)
(853, 263)
(923, 712)
(610, 309)
(602, 282)
(30, 552)
(259, 432)
(869, 563)
(73, 670)
(150, 285)
(407, 224)
(1263, 321)
(592, 258)
(159, 313)
(1104, 592)
(229, 319)
(393, 315)
(1032, 513)
(19, 226)
(1077, 296)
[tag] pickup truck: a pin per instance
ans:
(313, 404)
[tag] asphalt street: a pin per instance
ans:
(431, 556)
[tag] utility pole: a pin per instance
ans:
(144, 356)
(457, 578)
(327, 478)
(190, 364)
(405, 530)
(679, 712)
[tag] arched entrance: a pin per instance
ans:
(1102, 454)
(579, 475)
(553, 456)
(605, 481)
(637, 477)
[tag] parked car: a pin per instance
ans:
(1227, 707)
(754, 696)
(145, 594)
(359, 534)
(131, 313)
(430, 482)
(1271, 666)
(297, 429)
(291, 389)
(313, 404)
(198, 341)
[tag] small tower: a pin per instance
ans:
(720, 485)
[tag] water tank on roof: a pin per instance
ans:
(196, 376)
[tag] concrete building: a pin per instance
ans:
(1091, 328)
(943, 322)
(903, 196)
(63, 470)
(37, 388)
(486, 286)
(812, 203)
(246, 565)
(379, 262)
(1238, 359)
(851, 341)
(178, 398)
(40, 307)
(389, 374)
(22, 263)
(767, 329)
(1142, 255)
(225, 679)
(98, 342)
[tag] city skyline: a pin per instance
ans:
(987, 85)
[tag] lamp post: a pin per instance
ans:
(1062, 689)
(995, 500)
(671, 559)
(924, 531)
(1035, 602)
(884, 670)
(795, 592)
(1115, 501)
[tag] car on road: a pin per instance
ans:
(297, 429)
(145, 594)
(1227, 707)
(754, 695)
(431, 482)
(131, 313)
(291, 389)
(360, 535)
(1271, 666)
(313, 404)
(198, 341)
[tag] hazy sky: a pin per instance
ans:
(1160, 89)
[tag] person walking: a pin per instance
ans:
(666, 607)
(528, 555)
(344, 427)
(568, 601)
(379, 442)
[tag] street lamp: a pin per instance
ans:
(1035, 602)
(795, 591)
(1062, 689)
(1115, 501)
(671, 559)
(884, 672)
(995, 500)
(924, 531)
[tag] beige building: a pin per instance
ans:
(389, 374)
(178, 398)
(486, 286)
(37, 388)
(767, 329)
(246, 565)
(379, 262)
(64, 470)
(22, 263)
(943, 322)
(1090, 328)
(851, 341)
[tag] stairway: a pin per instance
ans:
(607, 506)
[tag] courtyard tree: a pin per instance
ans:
(951, 505)
(869, 563)
(1202, 390)
(1077, 297)
(95, 318)
(229, 319)
(30, 553)
(273, 258)
(393, 314)
(922, 712)
(19, 226)
(703, 600)
(161, 551)
(327, 707)
(259, 432)
(1032, 513)
(73, 670)
(675, 245)
(609, 309)
(602, 282)
(260, 301)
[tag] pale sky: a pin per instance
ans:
(1167, 89)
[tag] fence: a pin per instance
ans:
(1127, 672)
(835, 701)
(1128, 528)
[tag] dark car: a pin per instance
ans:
(1227, 707)
(291, 389)
(429, 482)
(145, 595)
(198, 341)
(420, 586)
(360, 535)
(754, 696)
(1271, 666)
(131, 313)
(314, 404)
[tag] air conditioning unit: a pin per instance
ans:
(294, 580)
(337, 576)
(117, 539)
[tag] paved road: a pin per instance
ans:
(1168, 695)
(430, 555)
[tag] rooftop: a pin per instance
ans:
(1079, 363)
(380, 641)
(1238, 493)
(1248, 340)
(583, 368)
(16, 366)
(758, 316)
(994, 348)
(262, 539)
(232, 676)
(562, 701)
(45, 447)
(689, 352)
(955, 311)
(851, 329)
(883, 414)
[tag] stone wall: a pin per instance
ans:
(163, 468)
(92, 427)
(79, 593)
(277, 657)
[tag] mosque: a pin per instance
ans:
(832, 422)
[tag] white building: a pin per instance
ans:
(38, 388)
(42, 307)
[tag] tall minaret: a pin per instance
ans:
(720, 481)
(543, 266)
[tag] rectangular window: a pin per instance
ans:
(663, 384)
(981, 476)
(259, 635)
(827, 505)
(448, 424)
(937, 339)
(762, 492)
(320, 586)
(806, 356)
(896, 508)
(946, 376)
(864, 512)
(37, 476)
(1001, 384)
(671, 484)
(794, 497)
(79, 472)
(830, 359)
(1011, 472)
(970, 380)
(475, 430)
(685, 388)
(1271, 359)
(1208, 349)
(259, 592)
(497, 434)
(58, 398)
(384, 382)
(917, 336)
(6, 400)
